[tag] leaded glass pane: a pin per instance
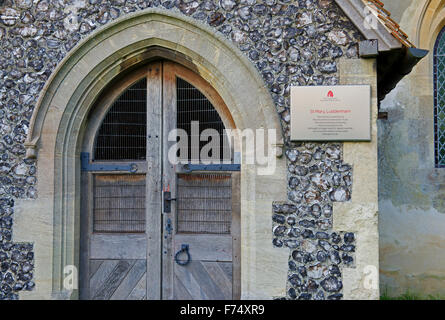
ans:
(439, 99)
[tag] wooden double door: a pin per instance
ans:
(150, 228)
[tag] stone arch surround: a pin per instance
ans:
(295, 67)
(58, 121)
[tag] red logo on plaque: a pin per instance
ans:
(330, 94)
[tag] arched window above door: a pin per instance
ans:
(122, 135)
(123, 132)
(439, 100)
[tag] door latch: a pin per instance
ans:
(167, 201)
(168, 226)
(184, 250)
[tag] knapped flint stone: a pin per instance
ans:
(295, 196)
(333, 153)
(291, 220)
(312, 285)
(344, 168)
(259, 9)
(347, 259)
(279, 219)
(4, 266)
(312, 195)
(305, 296)
(308, 246)
(331, 284)
(305, 158)
(322, 235)
(349, 238)
(279, 230)
(293, 233)
(327, 210)
(292, 293)
(24, 4)
(340, 195)
(304, 19)
(5, 289)
(308, 234)
(292, 265)
(338, 37)
(295, 280)
(9, 16)
(316, 271)
(334, 270)
(294, 182)
(292, 244)
(301, 171)
(308, 258)
(337, 296)
(227, 5)
(322, 256)
(326, 246)
(29, 285)
(348, 248)
(8, 278)
(307, 223)
(335, 257)
(316, 210)
(277, 242)
(285, 208)
(327, 66)
(297, 255)
(188, 8)
(18, 286)
(335, 238)
(319, 296)
(216, 19)
(245, 12)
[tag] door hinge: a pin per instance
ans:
(87, 166)
(210, 167)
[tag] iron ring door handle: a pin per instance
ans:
(184, 249)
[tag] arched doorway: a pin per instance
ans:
(152, 228)
(57, 130)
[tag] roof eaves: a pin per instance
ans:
(358, 12)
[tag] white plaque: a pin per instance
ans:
(331, 113)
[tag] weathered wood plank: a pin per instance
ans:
(113, 280)
(101, 275)
(139, 292)
(180, 292)
(130, 281)
(212, 290)
(219, 277)
(193, 287)
(153, 191)
(94, 265)
(236, 235)
(204, 247)
(118, 246)
(169, 179)
(227, 269)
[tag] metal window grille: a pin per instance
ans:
(192, 105)
(122, 134)
(119, 203)
(204, 203)
(439, 99)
